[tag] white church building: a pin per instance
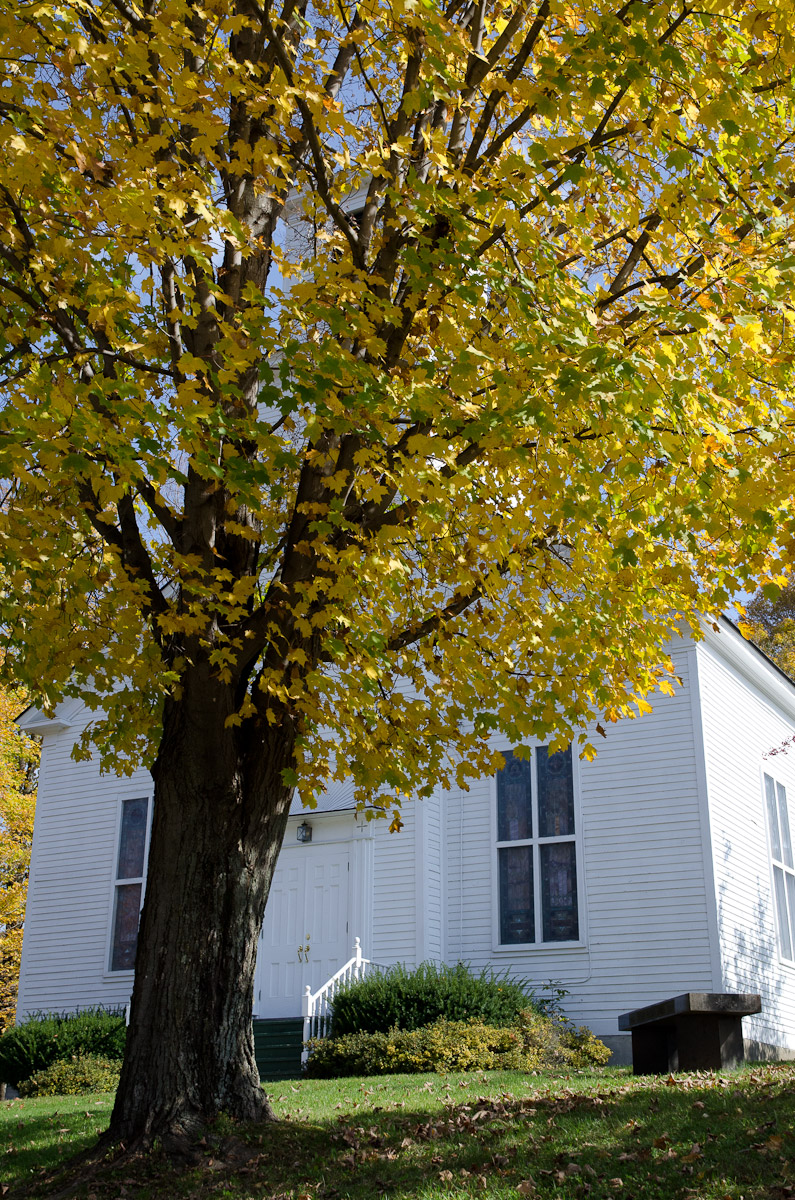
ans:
(664, 866)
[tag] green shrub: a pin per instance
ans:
(414, 999)
(75, 1076)
(583, 1048)
(52, 1037)
(532, 1041)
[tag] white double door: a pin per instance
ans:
(304, 937)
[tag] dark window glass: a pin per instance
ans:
(514, 804)
(132, 839)
(786, 840)
(517, 917)
(559, 892)
(125, 927)
(772, 817)
(555, 793)
(785, 940)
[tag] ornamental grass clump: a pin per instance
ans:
(413, 999)
(47, 1038)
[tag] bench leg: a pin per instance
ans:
(709, 1043)
(653, 1051)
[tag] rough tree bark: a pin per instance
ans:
(220, 810)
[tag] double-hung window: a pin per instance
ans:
(129, 882)
(537, 849)
(782, 864)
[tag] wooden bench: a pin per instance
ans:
(699, 1031)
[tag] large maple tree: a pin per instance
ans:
(375, 377)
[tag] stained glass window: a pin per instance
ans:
(517, 915)
(130, 869)
(514, 800)
(559, 891)
(125, 927)
(132, 839)
(555, 793)
(537, 851)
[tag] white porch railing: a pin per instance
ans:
(316, 1006)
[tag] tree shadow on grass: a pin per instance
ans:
(697, 1137)
(35, 1143)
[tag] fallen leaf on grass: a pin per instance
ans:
(527, 1187)
(695, 1152)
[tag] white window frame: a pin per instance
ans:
(780, 864)
(116, 882)
(536, 842)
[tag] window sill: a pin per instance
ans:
(554, 947)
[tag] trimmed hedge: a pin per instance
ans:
(533, 1041)
(76, 1076)
(414, 999)
(52, 1037)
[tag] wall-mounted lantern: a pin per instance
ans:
(305, 832)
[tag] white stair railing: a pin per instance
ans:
(316, 1006)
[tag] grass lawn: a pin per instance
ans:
(596, 1136)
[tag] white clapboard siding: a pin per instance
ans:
(67, 920)
(644, 904)
(748, 710)
(395, 892)
(430, 880)
(674, 865)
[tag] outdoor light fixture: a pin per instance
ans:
(305, 832)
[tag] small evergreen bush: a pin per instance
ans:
(533, 1041)
(52, 1037)
(412, 999)
(75, 1076)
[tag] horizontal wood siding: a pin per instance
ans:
(434, 881)
(429, 879)
(394, 891)
(645, 918)
(741, 726)
(64, 956)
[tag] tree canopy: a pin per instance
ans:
(488, 430)
(19, 757)
(768, 619)
(380, 376)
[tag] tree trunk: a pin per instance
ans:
(220, 811)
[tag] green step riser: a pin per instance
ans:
(277, 1048)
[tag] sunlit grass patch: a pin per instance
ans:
(38, 1134)
(601, 1135)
